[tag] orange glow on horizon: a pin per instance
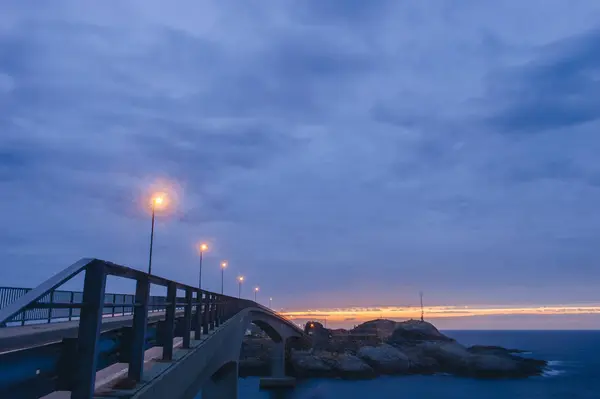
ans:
(359, 315)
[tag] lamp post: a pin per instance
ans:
(157, 201)
(203, 247)
(256, 289)
(270, 303)
(240, 281)
(223, 266)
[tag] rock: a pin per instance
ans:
(450, 356)
(416, 331)
(351, 367)
(498, 366)
(253, 367)
(384, 359)
(308, 364)
(492, 366)
(419, 362)
(255, 356)
(456, 359)
(327, 364)
(253, 347)
(412, 347)
(496, 350)
(320, 335)
(380, 328)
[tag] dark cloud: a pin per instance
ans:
(335, 153)
(558, 89)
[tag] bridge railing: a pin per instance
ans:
(200, 311)
(115, 305)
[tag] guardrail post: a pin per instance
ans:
(71, 300)
(205, 307)
(198, 317)
(213, 304)
(187, 318)
(218, 311)
(140, 321)
(89, 331)
(50, 308)
(169, 321)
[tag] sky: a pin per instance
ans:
(341, 155)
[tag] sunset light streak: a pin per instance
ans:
(357, 315)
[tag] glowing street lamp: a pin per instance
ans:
(256, 289)
(240, 281)
(203, 248)
(223, 266)
(158, 202)
(270, 303)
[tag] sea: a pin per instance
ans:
(573, 373)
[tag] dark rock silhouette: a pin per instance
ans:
(382, 347)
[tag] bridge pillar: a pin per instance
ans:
(88, 336)
(138, 331)
(278, 379)
(198, 317)
(278, 360)
(223, 384)
(187, 318)
(167, 343)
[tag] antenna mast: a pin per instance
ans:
(422, 312)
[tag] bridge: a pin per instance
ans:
(67, 344)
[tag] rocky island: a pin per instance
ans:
(386, 347)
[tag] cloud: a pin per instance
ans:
(357, 151)
(557, 89)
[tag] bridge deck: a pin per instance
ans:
(29, 336)
(108, 379)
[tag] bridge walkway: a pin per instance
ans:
(199, 340)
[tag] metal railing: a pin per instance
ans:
(201, 311)
(115, 305)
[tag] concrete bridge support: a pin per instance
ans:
(223, 384)
(278, 379)
(278, 360)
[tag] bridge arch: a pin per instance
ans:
(269, 330)
(218, 378)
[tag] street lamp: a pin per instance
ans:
(270, 303)
(223, 266)
(203, 248)
(240, 281)
(157, 201)
(256, 289)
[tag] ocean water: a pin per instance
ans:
(574, 373)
